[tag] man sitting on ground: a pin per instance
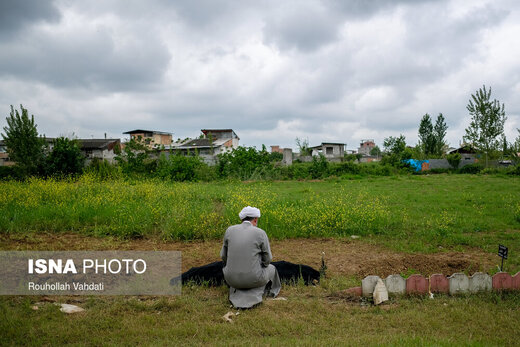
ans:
(247, 261)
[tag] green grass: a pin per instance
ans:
(310, 316)
(407, 213)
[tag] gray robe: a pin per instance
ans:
(247, 256)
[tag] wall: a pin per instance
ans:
(443, 163)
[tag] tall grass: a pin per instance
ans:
(182, 210)
(430, 207)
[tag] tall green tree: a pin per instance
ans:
(439, 132)
(427, 137)
(395, 150)
(65, 157)
(395, 145)
(513, 150)
(375, 152)
(432, 138)
(487, 122)
(22, 142)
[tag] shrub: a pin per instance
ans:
(103, 170)
(471, 169)
(319, 167)
(490, 171)
(244, 163)
(179, 167)
(10, 172)
(65, 158)
(296, 171)
(513, 170)
(454, 160)
(439, 171)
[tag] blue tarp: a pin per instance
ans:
(416, 164)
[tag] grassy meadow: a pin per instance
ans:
(310, 316)
(419, 214)
(409, 213)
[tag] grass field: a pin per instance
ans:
(310, 316)
(408, 213)
(406, 224)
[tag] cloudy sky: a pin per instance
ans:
(328, 70)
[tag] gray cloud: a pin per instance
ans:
(17, 14)
(89, 57)
(324, 70)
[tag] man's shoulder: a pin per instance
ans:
(245, 226)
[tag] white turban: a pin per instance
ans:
(249, 212)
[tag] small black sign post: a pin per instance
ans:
(502, 253)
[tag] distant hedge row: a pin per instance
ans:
(192, 168)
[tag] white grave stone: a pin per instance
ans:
(395, 284)
(368, 285)
(459, 283)
(480, 282)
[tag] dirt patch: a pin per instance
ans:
(343, 257)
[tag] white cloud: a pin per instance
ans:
(323, 70)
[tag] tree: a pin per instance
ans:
(432, 138)
(22, 142)
(427, 137)
(487, 122)
(513, 149)
(454, 160)
(395, 145)
(395, 150)
(303, 146)
(375, 152)
(133, 157)
(65, 158)
(439, 132)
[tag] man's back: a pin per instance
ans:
(246, 253)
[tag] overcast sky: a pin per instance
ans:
(328, 71)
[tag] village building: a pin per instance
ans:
(276, 149)
(366, 146)
(329, 150)
(102, 149)
(211, 143)
(467, 153)
(4, 155)
(151, 138)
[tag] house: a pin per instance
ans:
(276, 149)
(329, 150)
(103, 149)
(211, 143)
(226, 137)
(366, 146)
(151, 138)
(467, 153)
(4, 156)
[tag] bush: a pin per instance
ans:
(296, 171)
(65, 158)
(10, 172)
(454, 160)
(245, 163)
(319, 167)
(103, 170)
(513, 170)
(343, 168)
(490, 171)
(439, 171)
(470, 169)
(179, 167)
